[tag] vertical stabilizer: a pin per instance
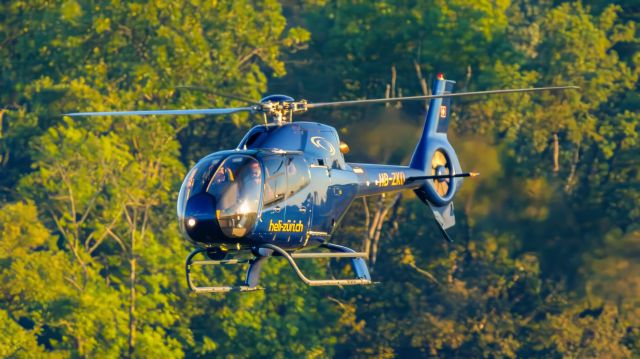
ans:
(436, 123)
(434, 155)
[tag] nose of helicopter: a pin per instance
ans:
(219, 200)
(198, 222)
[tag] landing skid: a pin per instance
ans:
(358, 265)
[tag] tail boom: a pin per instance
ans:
(376, 179)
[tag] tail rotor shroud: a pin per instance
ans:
(440, 166)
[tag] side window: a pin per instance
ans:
(298, 173)
(256, 139)
(275, 181)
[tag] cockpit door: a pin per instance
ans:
(273, 199)
(299, 200)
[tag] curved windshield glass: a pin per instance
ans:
(236, 185)
(195, 180)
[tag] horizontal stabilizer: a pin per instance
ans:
(445, 218)
(444, 215)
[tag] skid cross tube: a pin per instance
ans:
(216, 289)
(359, 266)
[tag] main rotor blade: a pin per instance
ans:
(206, 111)
(414, 98)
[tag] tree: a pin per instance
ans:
(103, 185)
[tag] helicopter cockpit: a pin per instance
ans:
(220, 196)
(236, 186)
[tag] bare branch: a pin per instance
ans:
(422, 81)
(71, 246)
(58, 224)
(74, 283)
(572, 172)
(117, 239)
(556, 153)
(367, 222)
(105, 233)
(424, 273)
(145, 220)
(127, 216)
(384, 211)
(337, 301)
(92, 201)
(248, 56)
(467, 78)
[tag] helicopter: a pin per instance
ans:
(287, 185)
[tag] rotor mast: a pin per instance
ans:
(281, 112)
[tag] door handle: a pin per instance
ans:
(276, 209)
(303, 209)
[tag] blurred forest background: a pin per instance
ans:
(546, 259)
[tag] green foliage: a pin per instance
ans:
(581, 331)
(545, 258)
(15, 340)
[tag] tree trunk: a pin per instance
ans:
(422, 81)
(132, 307)
(4, 157)
(572, 172)
(367, 223)
(556, 153)
(375, 228)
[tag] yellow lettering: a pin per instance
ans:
(398, 178)
(393, 179)
(285, 227)
(383, 179)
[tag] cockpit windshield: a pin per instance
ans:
(236, 186)
(196, 179)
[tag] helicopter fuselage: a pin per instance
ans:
(286, 185)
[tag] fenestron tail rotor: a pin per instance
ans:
(440, 166)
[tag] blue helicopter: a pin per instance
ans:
(287, 185)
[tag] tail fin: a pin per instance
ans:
(444, 110)
(436, 124)
(434, 155)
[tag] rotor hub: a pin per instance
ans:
(280, 108)
(441, 171)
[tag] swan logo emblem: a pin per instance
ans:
(322, 143)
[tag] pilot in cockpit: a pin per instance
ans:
(255, 173)
(225, 182)
(251, 181)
